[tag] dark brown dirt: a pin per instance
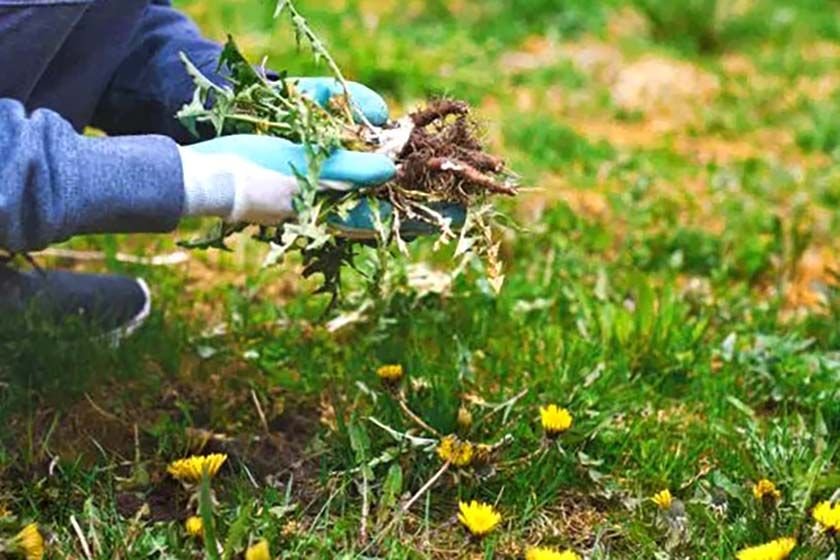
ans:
(101, 428)
(166, 501)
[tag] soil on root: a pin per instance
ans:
(444, 157)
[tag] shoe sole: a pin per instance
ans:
(121, 333)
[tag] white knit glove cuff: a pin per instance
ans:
(235, 189)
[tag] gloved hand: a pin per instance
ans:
(364, 100)
(250, 178)
(359, 222)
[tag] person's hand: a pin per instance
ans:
(359, 222)
(251, 178)
(364, 100)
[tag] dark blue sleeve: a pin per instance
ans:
(56, 183)
(151, 85)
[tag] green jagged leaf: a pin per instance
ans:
(241, 71)
(202, 82)
(328, 261)
(281, 5)
(392, 487)
(237, 533)
(215, 237)
(191, 113)
(359, 441)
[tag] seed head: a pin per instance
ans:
(453, 450)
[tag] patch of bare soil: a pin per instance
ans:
(737, 64)
(774, 144)
(118, 426)
(553, 188)
(667, 91)
(821, 50)
(595, 58)
(806, 290)
(627, 23)
(575, 518)
(163, 500)
(670, 97)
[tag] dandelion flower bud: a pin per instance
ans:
(465, 418)
(194, 526)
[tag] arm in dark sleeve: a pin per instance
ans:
(55, 183)
(151, 84)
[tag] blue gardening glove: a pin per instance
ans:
(250, 178)
(358, 223)
(364, 100)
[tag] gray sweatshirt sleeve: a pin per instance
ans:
(55, 183)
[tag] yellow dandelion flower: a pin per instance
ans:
(459, 453)
(258, 551)
(663, 499)
(194, 526)
(765, 490)
(555, 420)
(191, 469)
(479, 518)
(390, 373)
(828, 516)
(549, 554)
(778, 549)
(30, 542)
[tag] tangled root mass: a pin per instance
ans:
(445, 158)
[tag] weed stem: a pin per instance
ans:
(401, 401)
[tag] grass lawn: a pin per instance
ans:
(671, 280)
